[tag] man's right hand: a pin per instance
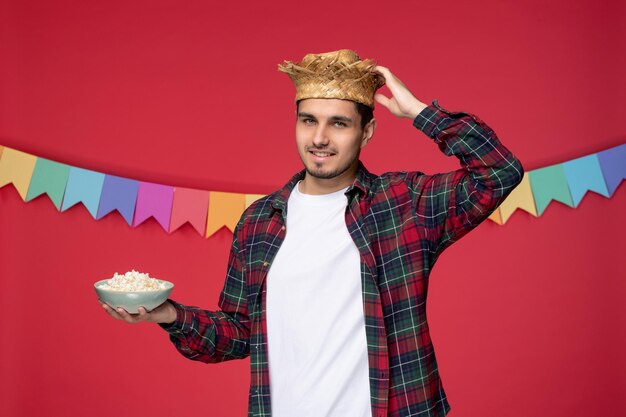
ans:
(165, 313)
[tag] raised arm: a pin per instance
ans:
(453, 203)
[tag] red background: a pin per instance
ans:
(187, 94)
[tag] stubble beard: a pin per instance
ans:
(321, 174)
(326, 175)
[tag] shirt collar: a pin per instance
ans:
(361, 184)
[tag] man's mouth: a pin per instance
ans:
(322, 154)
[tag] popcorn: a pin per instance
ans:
(133, 281)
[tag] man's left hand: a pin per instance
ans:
(403, 103)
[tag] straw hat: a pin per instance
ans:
(338, 74)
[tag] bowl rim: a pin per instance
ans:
(170, 287)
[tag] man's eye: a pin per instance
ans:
(340, 124)
(308, 121)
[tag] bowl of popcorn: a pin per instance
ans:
(133, 290)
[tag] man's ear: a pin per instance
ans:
(368, 132)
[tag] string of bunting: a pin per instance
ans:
(208, 211)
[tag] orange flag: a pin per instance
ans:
(225, 209)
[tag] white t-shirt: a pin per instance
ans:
(317, 349)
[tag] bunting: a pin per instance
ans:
(224, 210)
(118, 194)
(584, 174)
(154, 200)
(549, 184)
(520, 198)
(51, 178)
(16, 168)
(190, 206)
(83, 186)
(613, 163)
(209, 211)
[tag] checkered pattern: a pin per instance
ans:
(400, 222)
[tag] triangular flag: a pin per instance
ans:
(549, 184)
(83, 186)
(225, 209)
(251, 198)
(189, 205)
(613, 163)
(118, 194)
(17, 167)
(521, 197)
(51, 178)
(584, 174)
(496, 216)
(154, 200)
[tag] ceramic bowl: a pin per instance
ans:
(132, 300)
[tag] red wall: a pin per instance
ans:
(527, 319)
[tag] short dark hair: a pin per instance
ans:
(366, 112)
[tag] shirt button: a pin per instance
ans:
(265, 264)
(283, 228)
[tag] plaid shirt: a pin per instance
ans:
(400, 223)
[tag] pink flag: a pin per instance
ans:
(190, 205)
(154, 200)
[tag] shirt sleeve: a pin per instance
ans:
(453, 203)
(216, 336)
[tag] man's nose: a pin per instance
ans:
(321, 137)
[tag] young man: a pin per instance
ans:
(327, 277)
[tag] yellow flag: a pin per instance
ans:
(17, 167)
(496, 216)
(225, 209)
(521, 197)
(251, 198)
